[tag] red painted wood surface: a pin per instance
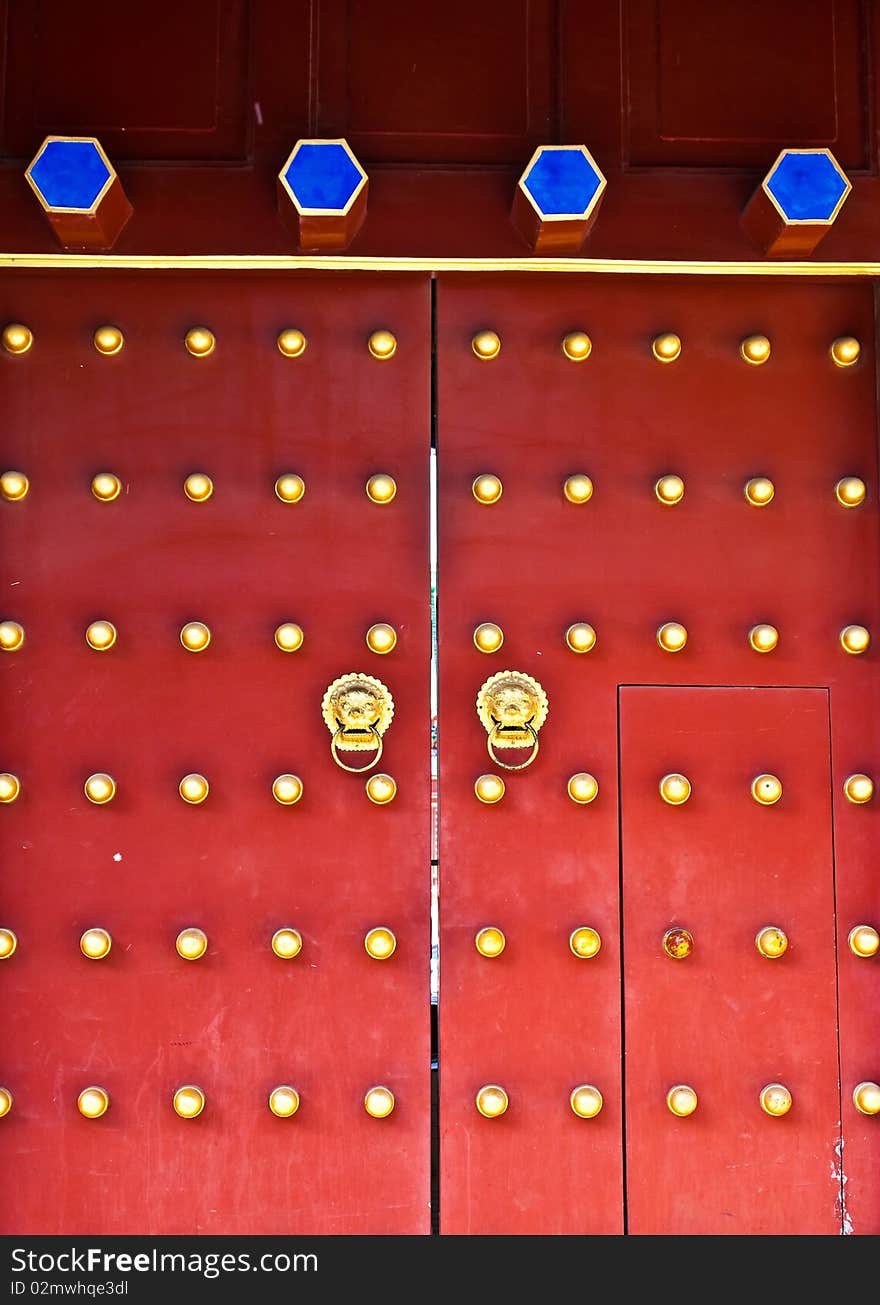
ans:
(332, 1022)
(535, 1020)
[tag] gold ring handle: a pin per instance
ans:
(358, 770)
(493, 732)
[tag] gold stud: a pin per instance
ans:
(681, 1100)
(381, 638)
(290, 487)
(775, 1099)
(577, 346)
(666, 348)
(492, 1101)
(8, 944)
(578, 488)
(669, 489)
(92, 1102)
(850, 491)
(14, 486)
(106, 487)
(486, 344)
(292, 343)
(95, 943)
(759, 491)
(193, 789)
(766, 789)
(585, 942)
(191, 943)
(672, 636)
(381, 789)
(763, 638)
(6, 1100)
(675, 789)
(379, 1102)
(382, 345)
(189, 1101)
(490, 941)
(380, 943)
(100, 788)
(200, 342)
(287, 942)
(101, 635)
(771, 941)
(489, 788)
(845, 350)
(864, 940)
(10, 787)
(198, 487)
(678, 943)
(284, 1099)
(195, 636)
(583, 787)
(11, 636)
(755, 349)
(487, 488)
(17, 338)
(586, 1101)
(488, 637)
(855, 639)
(289, 637)
(381, 488)
(108, 340)
(866, 1098)
(859, 788)
(287, 789)
(580, 637)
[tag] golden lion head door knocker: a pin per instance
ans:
(512, 706)
(357, 710)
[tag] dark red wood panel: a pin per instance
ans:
(332, 1022)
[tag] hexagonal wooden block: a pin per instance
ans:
(797, 203)
(79, 191)
(322, 195)
(557, 198)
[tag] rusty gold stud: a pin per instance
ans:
(583, 787)
(675, 789)
(10, 787)
(578, 488)
(771, 941)
(382, 345)
(766, 789)
(8, 943)
(195, 636)
(666, 348)
(14, 486)
(100, 788)
(6, 1100)
(284, 1099)
(759, 491)
(681, 1100)
(489, 788)
(193, 788)
(92, 1102)
(492, 1101)
(488, 637)
(287, 789)
(669, 489)
(672, 636)
(487, 488)
(490, 941)
(755, 349)
(585, 942)
(17, 338)
(859, 788)
(191, 943)
(486, 345)
(678, 943)
(287, 942)
(577, 346)
(198, 487)
(580, 637)
(188, 1101)
(108, 340)
(775, 1099)
(866, 1098)
(381, 789)
(200, 342)
(864, 940)
(11, 636)
(381, 488)
(95, 943)
(291, 342)
(106, 487)
(845, 350)
(763, 638)
(381, 638)
(379, 1102)
(289, 637)
(290, 487)
(101, 635)
(855, 639)
(586, 1101)
(380, 943)
(850, 491)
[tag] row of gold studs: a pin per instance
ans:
(758, 491)
(675, 789)
(189, 1101)
(101, 788)
(191, 943)
(666, 348)
(199, 341)
(198, 487)
(771, 941)
(195, 636)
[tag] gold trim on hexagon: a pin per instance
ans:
(805, 222)
(322, 212)
(82, 140)
(563, 217)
